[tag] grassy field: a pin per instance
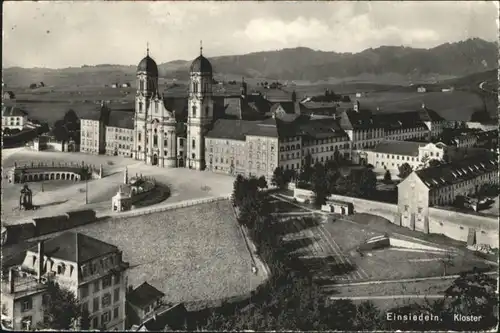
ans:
(457, 105)
(189, 254)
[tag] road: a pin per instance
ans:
(355, 298)
(481, 85)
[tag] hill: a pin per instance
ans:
(415, 65)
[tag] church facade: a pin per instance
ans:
(155, 127)
(242, 134)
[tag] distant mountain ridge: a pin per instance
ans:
(302, 63)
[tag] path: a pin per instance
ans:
(354, 298)
(323, 245)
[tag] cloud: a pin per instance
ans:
(60, 34)
(262, 30)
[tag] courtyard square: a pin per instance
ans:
(59, 197)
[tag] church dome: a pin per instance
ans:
(149, 66)
(201, 65)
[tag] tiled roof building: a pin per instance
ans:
(439, 186)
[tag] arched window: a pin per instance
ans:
(140, 106)
(194, 110)
(206, 111)
(141, 85)
(195, 87)
(139, 136)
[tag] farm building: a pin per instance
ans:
(13, 117)
(421, 89)
(8, 95)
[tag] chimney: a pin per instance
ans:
(11, 280)
(40, 261)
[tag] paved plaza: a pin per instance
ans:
(59, 197)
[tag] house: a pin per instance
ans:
(13, 117)
(142, 303)
(439, 186)
(93, 270)
(421, 89)
(390, 155)
(172, 318)
(8, 95)
(22, 299)
(125, 85)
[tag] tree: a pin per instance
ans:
(62, 309)
(387, 177)
(405, 170)
(278, 178)
(474, 293)
(238, 190)
(342, 185)
(320, 188)
(447, 261)
(434, 163)
(306, 170)
(331, 180)
(33, 86)
(294, 96)
(361, 182)
(262, 182)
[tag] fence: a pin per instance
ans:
(182, 204)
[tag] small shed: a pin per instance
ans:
(339, 207)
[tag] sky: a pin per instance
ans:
(65, 34)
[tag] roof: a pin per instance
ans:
(350, 120)
(148, 65)
(407, 148)
(429, 115)
(144, 295)
(178, 105)
(13, 111)
(238, 129)
(122, 119)
(10, 94)
(288, 107)
(75, 247)
(399, 120)
(457, 172)
(201, 65)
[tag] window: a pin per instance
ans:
(206, 111)
(26, 305)
(194, 111)
(60, 269)
(139, 136)
(95, 306)
(115, 313)
(106, 281)
(155, 140)
(85, 307)
(84, 291)
(106, 300)
(106, 317)
(420, 210)
(96, 285)
(193, 144)
(95, 322)
(406, 208)
(117, 295)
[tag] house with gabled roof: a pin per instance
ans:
(440, 185)
(93, 270)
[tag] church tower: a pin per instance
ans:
(147, 87)
(200, 111)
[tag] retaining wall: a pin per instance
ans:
(452, 224)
